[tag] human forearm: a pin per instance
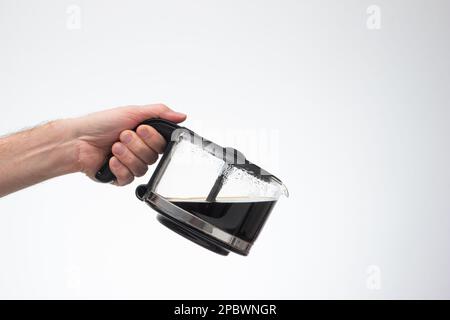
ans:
(37, 154)
(82, 144)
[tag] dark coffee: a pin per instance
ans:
(242, 218)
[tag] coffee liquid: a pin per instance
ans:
(240, 217)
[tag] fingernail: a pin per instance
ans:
(119, 149)
(114, 162)
(143, 132)
(126, 137)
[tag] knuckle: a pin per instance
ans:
(157, 144)
(145, 132)
(125, 181)
(122, 174)
(162, 106)
(140, 148)
(119, 150)
(153, 157)
(145, 154)
(141, 171)
(151, 131)
(137, 167)
(129, 159)
(125, 133)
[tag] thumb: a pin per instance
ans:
(159, 111)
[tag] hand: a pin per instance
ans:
(102, 133)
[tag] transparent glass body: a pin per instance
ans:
(201, 177)
(190, 171)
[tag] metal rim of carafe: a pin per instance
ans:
(196, 222)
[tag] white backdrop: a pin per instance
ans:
(351, 100)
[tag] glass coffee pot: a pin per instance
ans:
(211, 195)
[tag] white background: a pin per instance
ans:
(356, 121)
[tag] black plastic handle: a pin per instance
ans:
(164, 127)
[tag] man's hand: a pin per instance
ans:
(82, 144)
(132, 151)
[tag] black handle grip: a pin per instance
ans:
(164, 127)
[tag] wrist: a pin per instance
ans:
(54, 148)
(67, 148)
